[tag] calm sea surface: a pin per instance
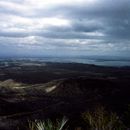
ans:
(96, 61)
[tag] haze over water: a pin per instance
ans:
(102, 61)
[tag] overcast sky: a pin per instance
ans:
(65, 27)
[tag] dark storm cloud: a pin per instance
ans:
(102, 8)
(51, 34)
(110, 17)
(93, 20)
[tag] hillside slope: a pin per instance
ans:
(60, 97)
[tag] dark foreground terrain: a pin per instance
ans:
(37, 90)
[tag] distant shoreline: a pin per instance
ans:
(100, 61)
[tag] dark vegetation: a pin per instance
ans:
(39, 72)
(36, 90)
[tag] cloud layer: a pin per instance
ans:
(78, 27)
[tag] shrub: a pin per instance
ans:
(127, 117)
(100, 119)
(48, 124)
